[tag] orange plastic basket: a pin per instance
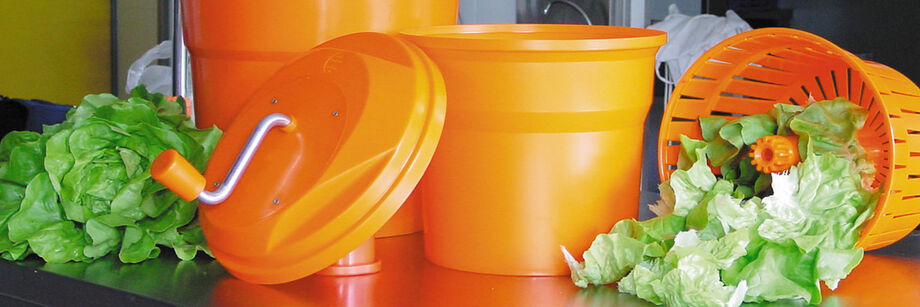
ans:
(750, 72)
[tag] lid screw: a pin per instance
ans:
(274, 100)
(217, 184)
(276, 201)
(335, 113)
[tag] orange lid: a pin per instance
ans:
(369, 110)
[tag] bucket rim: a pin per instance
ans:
(535, 37)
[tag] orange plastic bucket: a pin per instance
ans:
(236, 45)
(542, 141)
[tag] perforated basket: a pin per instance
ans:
(750, 72)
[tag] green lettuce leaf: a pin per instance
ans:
(689, 152)
(695, 282)
(39, 209)
(23, 151)
(58, 243)
(639, 281)
(834, 264)
(709, 126)
(746, 130)
(609, 258)
(828, 126)
(137, 245)
(783, 113)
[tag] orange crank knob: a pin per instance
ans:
(177, 174)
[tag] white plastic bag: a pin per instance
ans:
(688, 38)
(157, 78)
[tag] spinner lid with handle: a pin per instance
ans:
(318, 159)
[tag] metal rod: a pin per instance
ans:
(179, 56)
(569, 3)
(242, 161)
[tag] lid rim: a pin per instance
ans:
(464, 37)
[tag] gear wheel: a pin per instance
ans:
(775, 153)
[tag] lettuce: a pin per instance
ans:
(82, 189)
(716, 242)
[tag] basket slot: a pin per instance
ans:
(733, 56)
(755, 45)
(856, 86)
(742, 106)
(690, 129)
(864, 95)
(912, 143)
(755, 90)
(725, 115)
(797, 68)
(908, 121)
(818, 51)
(700, 88)
(875, 245)
(900, 104)
(770, 41)
(905, 221)
(689, 108)
(798, 95)
(811, 86)
(900, 131)
(886, 237)
(768, 75)
(824, 87)
(802, 63)
(910, 168)
(803, 55)
(877, 128)
(838, 80)
(894, 81)
(901, 154)
(714, 70)
(905, 121)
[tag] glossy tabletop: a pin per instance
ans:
(886, 277)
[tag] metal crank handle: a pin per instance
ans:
(178, 175)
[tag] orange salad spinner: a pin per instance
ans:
(319, 158)
(750, 72)
(235, 45)
(542, 142)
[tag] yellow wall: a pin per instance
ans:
(57, 50)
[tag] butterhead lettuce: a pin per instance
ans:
(82, 189)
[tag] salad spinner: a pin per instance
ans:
(750, 72)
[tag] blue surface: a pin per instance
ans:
(43, 113)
